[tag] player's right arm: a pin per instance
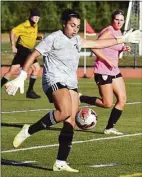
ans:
(42, 49)
(98, 52)
(18, 83)
(30, 59)
(14, 34)
(12, 41)
(101, 56)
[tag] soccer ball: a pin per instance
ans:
(86, 118)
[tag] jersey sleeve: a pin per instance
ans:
(18, 30)
(45, 45)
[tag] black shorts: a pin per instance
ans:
(102, 79)
(55, 87)
(21, 55)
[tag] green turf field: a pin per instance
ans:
(93, 153)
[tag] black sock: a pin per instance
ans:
(65, 141)
(31, 83)
(3, 81)
(45, 122)
(88, 99)
(114, 116)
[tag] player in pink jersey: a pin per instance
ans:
(107, 74)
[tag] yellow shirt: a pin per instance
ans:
(26, 34)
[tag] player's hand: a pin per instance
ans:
(18, 83)
(14, 49)
(132, 36)
(127, 49)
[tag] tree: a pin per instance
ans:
(98, 13)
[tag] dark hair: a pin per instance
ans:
(67, 14)
(34, 12)
(116, 12)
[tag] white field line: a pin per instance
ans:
(139, 83)
(20, 111)
(127, 83)
(37, 110)
(103, 165)
(23, 162)
(75, 142)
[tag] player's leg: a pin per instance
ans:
(106, 93)
(62, 101)
(14, 70)
(120, 93)
(104, 83)
(35, 71)
(66, 137)
(17, 63)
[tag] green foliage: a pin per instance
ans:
(49, 16)
(98, 13)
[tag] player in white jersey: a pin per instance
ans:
(61, 51)
(61, 64)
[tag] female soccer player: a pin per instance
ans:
(60, 50)
(107, 74)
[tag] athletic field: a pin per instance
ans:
(93, 153)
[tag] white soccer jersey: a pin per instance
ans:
(60, 57)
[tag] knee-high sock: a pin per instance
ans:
(114, 116)
(4, 80)
(31, 83)
(65, 141)
(88, 99)
(45, 122)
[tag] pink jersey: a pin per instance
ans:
(112, 52)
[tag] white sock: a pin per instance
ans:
(27, 133)
(60, 162)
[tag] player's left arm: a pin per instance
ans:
(104, 40)
(106, 34)
(129, 37)
(18, 83)
(41, 49)
(30, 59)
(100, 43)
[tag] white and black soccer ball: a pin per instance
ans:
(86, 118)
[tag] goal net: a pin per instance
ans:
(134, 20)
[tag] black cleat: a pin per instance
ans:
(32, 95)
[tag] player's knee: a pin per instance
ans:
(107, 104)
(37, 68)
(122, 100)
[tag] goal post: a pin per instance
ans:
(140, 27)
(134, 20)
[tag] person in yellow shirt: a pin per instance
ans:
(26, 34)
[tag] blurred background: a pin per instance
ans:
(97, 13)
